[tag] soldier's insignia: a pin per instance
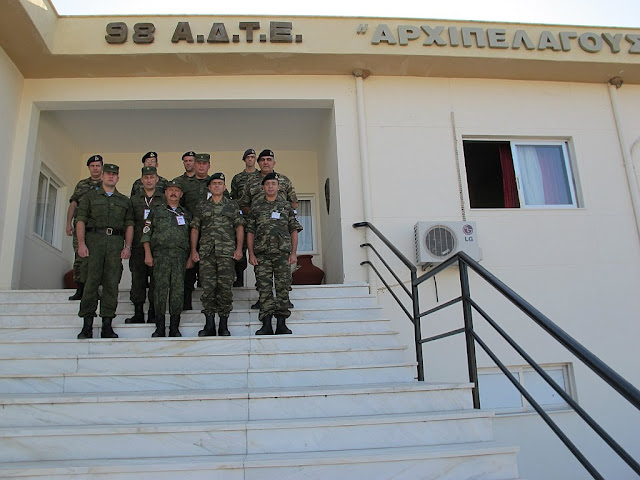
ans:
(146, 229)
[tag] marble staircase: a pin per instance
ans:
(337, 399)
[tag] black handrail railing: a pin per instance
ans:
(464, 262)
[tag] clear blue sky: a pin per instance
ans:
(622, 13)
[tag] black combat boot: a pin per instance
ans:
(79, 292)
(256, 306)
(151, 314)
(87, 329)
(138, 314)
(107, 329)
(187, 299)
(174, 323)
(223, 331)
(209, 329)
(267, 328)
(160, 327)
(281, 326)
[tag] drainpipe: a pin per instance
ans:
(360, 75)
(614, 84)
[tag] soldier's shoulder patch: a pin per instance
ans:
(146, 229)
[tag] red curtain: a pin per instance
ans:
(509, 187)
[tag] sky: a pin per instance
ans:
(619, 13)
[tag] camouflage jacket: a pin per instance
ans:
(164, 232)
(217, 223)
(194, 191)
(138, 188)
(237, 185)
(82, 188)
(141, 208)
(253, 189)
(98, 209)
(272, 224)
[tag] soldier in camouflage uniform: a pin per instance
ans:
(105, 233)
(149, 159)
(218, 226)
(141, 274)
(165, 239)
(94, 163)
(237, 187)
(272, 238)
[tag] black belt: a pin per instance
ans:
(106, 231)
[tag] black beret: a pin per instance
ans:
(216, 176)
(188, 154)
(149, 155)
(271, 176)
(248, 151)
(94, 158)
(266, 153)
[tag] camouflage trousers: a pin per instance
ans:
(141, 277)
(273, 268)
(169, 271)
(80, 265)
(105, 268)
(216, 276)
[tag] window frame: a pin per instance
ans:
(314, 223)
(56, 241)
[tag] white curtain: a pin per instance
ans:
(543, 176)
(305, 237)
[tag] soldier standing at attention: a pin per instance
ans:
(272, 239)
(149, 159)
(141, 274)
(218, 226)
(105, 232)
(94, 163)
(194, 190)
(189, 164)
(165, 240)
(237, 187)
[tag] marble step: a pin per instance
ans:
(124, 408)
(480, 461)
(23, 444)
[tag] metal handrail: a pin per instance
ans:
(464, 262)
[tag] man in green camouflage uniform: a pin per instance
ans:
(272, 238)
(141, 274)
(94, 163)
(105, 233)
(194, 190)
(217, 226)
(165, 239)
(237, 188)
(149, 159)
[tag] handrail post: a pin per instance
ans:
(417, 331)
(468, 332)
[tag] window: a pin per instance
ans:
(519, 174)
(47, 204)
(497, 392)
(306, 217)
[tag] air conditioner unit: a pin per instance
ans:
(437, 241)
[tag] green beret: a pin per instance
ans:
(203, 157)
(216, 176)
(149, 171)
(110, 167)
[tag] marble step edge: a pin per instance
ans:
(245, 425)
(256, 460)
(206, 372)
(229, 393)
(187, 354)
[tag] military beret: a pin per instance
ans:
(110, 167)
(149, 155)
(271, 176)
(248, 151)
(173, 183)
(203, 157)
(266, 153)
(94, 158)
(188, 154)
(216, 176)
(149, 171)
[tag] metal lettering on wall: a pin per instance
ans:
(441, 36)
(144, 33)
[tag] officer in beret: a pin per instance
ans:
(149, 159)
(272, 240)
(104, 227)
(166, 237)
(189, 164)
(141, 274)
(237, 187)
(94, 164)
(217, 233)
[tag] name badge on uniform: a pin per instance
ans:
(275, 215)
(180, 219)
(146, 213)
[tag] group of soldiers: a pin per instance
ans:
(179, 233)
